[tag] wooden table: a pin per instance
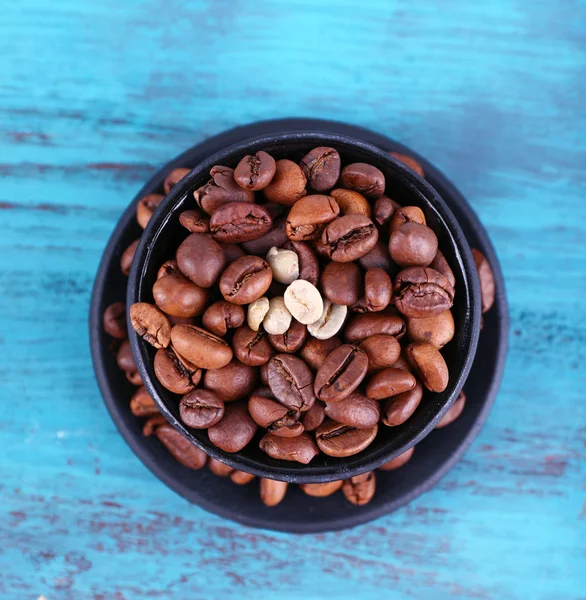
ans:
(94, 96)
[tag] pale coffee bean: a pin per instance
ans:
(284, 264)
(257, 311)
(304, 301)
(278, 318)
(330, 322)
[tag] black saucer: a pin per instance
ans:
(299, 513)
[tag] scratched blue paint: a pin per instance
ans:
(95, 95)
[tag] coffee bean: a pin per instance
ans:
(291, 382)
(174, 177)
(413, 245)
(219, 468)
(384, 209)
(181, 320)
(382, 351)
(341, 282)
(274, 417)
(399, 461)
(340, 441)
(349, 237)
(321, 490)
(341, 373)
(237, 222)
(378, 291)
(404, 215)
(127, 257)
(232, 252)
(278, 318)
(315, 351)
(300, 448)
(235, 429)
(272, 492)
(331, 321)
(181, 448)
(304, 301)
(314, 417)
(410, 162)
(284, 264)
(290, 341)
(486, 279)
(232, 382)
(169, 267)
(200, 347)
(389, 382)
(379, 257)
(251, 347)
(308, 264)
(355, 410)
(402, 363)
(221, 316)
(152, 423)
(256, 312)
(178, 296)
(125, 362)
(352, 203)
(429, 365)
(142, 405)
(454, 411)
(309, 215)
(245, 280)
(220, 189)
(200, 409)
(195, 221)
(360, 490)
(146, 207)
(288, 184)
(321, 167)
(255, 171)
(240, 477)
(438, 330)
(366, 325)
(114, 320)
(440, 264)
(201, 259)
(175, 373)
(399, 408)
(264, 375)
(365, 179)
(422, 292)
(275, 238)
(150, 324)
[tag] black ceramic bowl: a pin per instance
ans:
(164, 233)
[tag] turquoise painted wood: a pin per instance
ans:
(94, 96)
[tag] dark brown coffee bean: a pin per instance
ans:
(378, 291)
(320, 248)
(438, 330)
(201, 259)
(399, 461)
(235, 429)
(486, 279)
(255, 171)
(221, 316)
(422, 292)
(127, 257)
(237, 222)
(360, 490)
(264, 376)
(314, 417)
(287, 185)
(454, 411)
(251, 347)
(360, 327)
(151, 324)
(315, 352)
(291, 340)
(352, 203)
(181, 448)
(195, 221)
(125, 362)
(389, 382)
(410, 162)
(245, 280)
(341, 283)
(321, 490)
(274, 417)
(363, 178)
(114, 320)
(200, 347)
(232, 252)
(240, 477)
(379, 257)
(440, 264)
(356, 410)
(275, 238)
(142, 405)
(174, 177)
(341, 373)
(309, 215)
(399, 408)
(404, 215)
(300, 448)
(182, 320)
(221, 189)
(429, 365)
(291, 381)
(178, 296)
(232, 382)
(272, 492)
(200, 409)
(169, 267)
(349, 237)
(175, 373)
(321, 167)
(146, 207)
(308, 263)
(384, 209)
(413, 245)
(382, 351)
(340, 441)
(219, 468)
(152, 423)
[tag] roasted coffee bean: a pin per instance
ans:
(114, 320)
(237, 222)
(410, 162)
(127, 257)
(402, 363)
(314, 417)
(201, 259)
(284, 264)
(152, 423)
(360, 490)
(413, 245)
(379, 257)
(241, 477)
(422, 292)
(331, 321)
(221, 316)
(291, 340)
(256, 312)
(220, 189)
(195, 221)
(232, 382)
(264, 375)
(125, 362)
(175, 373)
(278, 318)
(341, 282)
(304, 301)
(440, 264)
(255, 171)
(340, 441)
(200, 347)
(150, 324)
(320, 248)
(300, 448)
(232, 252)
(146, 207)
(200, 409)
(486, 279)
(274, 417)
(321, 167)
(174, 177)
(182, 320)
(315, 352)
(352, 203)
(321, 490)
(288, 184)
(404, 215)
(341, 373)
(399, 461)
(169, 267)
(251, 347)
(429, 365)
(235, 429)
(142, 405)
(309, 216)
(178, 296)
(181, 448)
(399, 408)
(454, 411)
(291, 381)
(356, 410)
(272, 492)
(275, 238)
(245, 280)
(382, 351)
(308, 264)
(349, 237)
(363, 178)
(219, 468)
(438, 330)
(360, 327)
(384, 209)
(378, 291)
(389, 382)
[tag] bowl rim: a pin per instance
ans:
(159, 221)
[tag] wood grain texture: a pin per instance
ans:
(95, 96)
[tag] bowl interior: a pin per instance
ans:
(164, 234)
